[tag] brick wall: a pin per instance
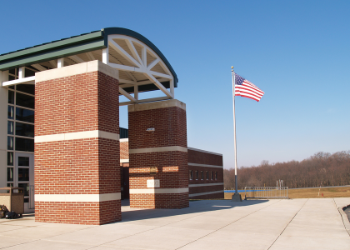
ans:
(77, 173)
(124, 149)
(158, 155)
(206, 162)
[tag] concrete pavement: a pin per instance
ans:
(218, 224)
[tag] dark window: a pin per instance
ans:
(10, 128)
(23, 129)
(11, 97)
(196, 175)
(25, 187)
(202, 175)
(24, 144)
(25, 100)
(216, 175)
(9, 143)
(28, 73)
(10, 112)
(12, 87)
(9, 174)
(27, 88)
(212, 175)
(207, 175)
(191, 175)
(23, 174)
(10, 158)
(24, 115)
(23, 161)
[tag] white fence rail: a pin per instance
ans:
(266, 192)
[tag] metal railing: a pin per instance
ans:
(266, 192)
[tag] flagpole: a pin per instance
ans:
(234, 129)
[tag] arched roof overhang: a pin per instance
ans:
(142, 66)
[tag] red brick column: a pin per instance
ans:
(158, 155)
(77, 171)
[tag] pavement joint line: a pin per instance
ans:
(288, 224)
(227, 225)
(106, 243)
(342, 217)
(19, 243)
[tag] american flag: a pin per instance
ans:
(247, 89)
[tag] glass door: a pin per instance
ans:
(24, 178)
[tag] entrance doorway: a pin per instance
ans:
(24, 178)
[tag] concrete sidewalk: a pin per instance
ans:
(221, 224)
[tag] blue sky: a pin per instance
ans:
(296, 51)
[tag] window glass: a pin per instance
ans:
(27, 88)
(10, 112)
(9, 158)
(23, 129)
(212, 175)
(25, 100)
(9, 127)
(25, 187)
(216, 175)
(23, 174)
(24, 144)
(207, 174)
(24, 115)
(11, 97)
(9, 143)
(23, 161)
(202, 175)
(9, 174)
(190, 174)
(28, 73)
(196, 175)
(12, 87)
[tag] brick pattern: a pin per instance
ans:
(204, 158)
(124, 150)
(208, 159)
(169, 124)
(87, 213)
(210, 196)
(77, 103)
(172, 168)
(168, 201)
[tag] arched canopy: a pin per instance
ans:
(142, 66)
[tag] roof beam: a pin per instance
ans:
(18, 81)
(122, 52)
(133, 50)
(159, 85)
(152, 64)
(38, 67)
(161, 75)
(125, 67)
(126, 94)
(90, 56)
(76, 59)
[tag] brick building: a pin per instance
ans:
(60, 138)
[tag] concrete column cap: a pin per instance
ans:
(157, 105)
(76, 69)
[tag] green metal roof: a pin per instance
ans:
(71, 46)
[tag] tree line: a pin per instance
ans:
(320, 169)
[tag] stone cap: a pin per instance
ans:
(157, 105)
(77, 69)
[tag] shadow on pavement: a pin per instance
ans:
(195, 207)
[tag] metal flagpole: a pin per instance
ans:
(236, 196)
